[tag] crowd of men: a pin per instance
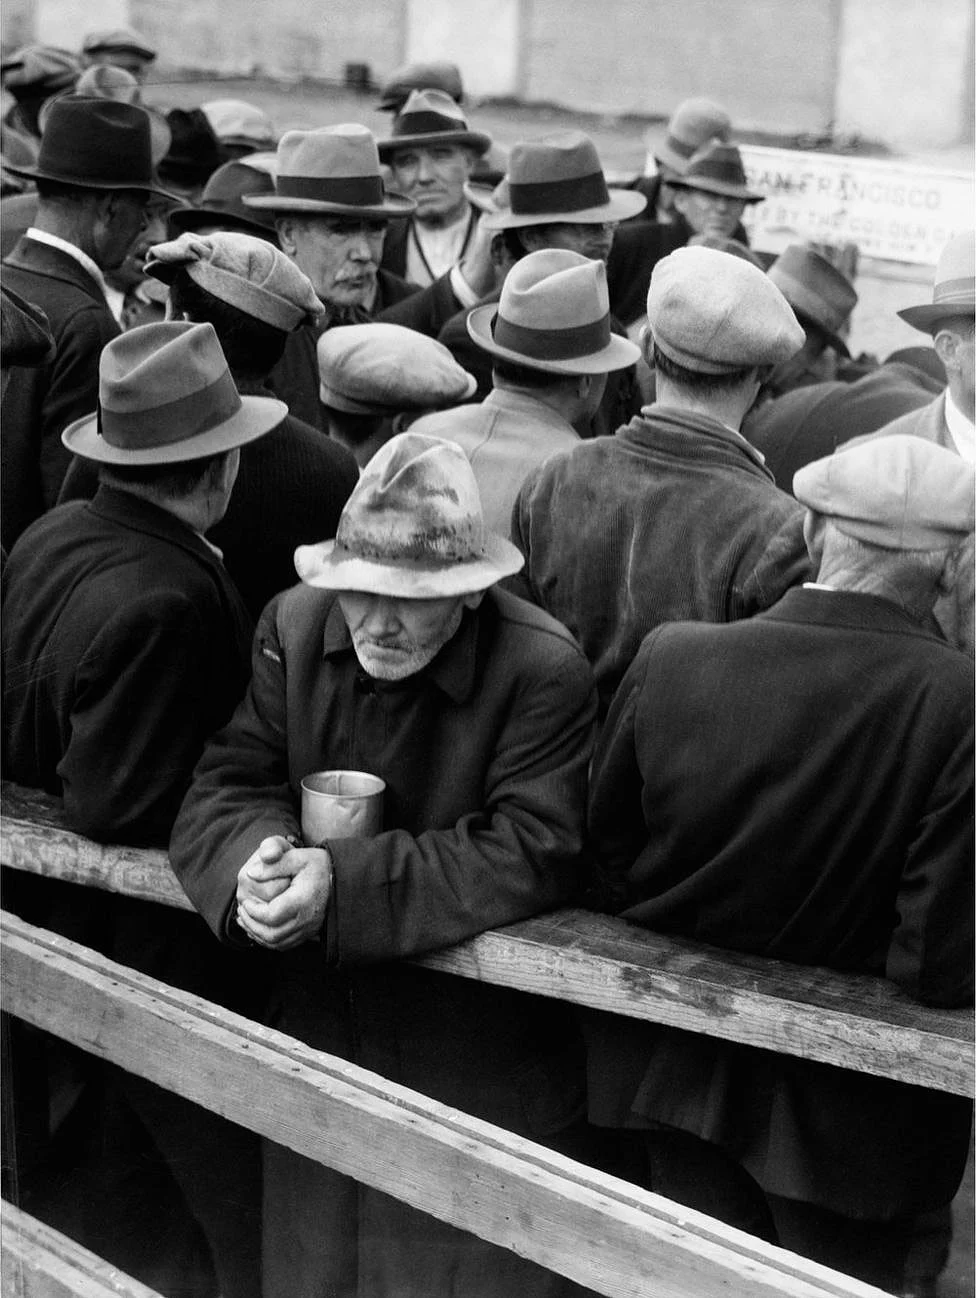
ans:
(564, 512)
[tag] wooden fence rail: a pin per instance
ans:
(604, 1233)
(851, 1020)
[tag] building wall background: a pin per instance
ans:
(896, 71)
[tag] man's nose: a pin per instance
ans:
(359, 247)
(381, 619)
(425, 170)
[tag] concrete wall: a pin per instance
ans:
(644, 56)
(896, 71)
(905, 73)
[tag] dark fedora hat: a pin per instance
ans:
(717, 169)
(558, 178)
(818, 292)
(335, 169)
(96, 144)
(222, 201)
(431, 117)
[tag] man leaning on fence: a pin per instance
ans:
(398, 657)
(799, 785)
(125, 645)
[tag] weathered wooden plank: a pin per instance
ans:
(850, 1020)
(39, 1262)
(613, 1237)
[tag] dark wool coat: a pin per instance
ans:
(290, 490)
(40, 403)
(812, 421)
(295, 379)
(673, 518)
(485, 756)
(800, 786)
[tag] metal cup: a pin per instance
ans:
(341, 804)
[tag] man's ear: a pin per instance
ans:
(947, 343)
(285, 226)
(473, 599)
(814, 526)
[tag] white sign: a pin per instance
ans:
(891, 210)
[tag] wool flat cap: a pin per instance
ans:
(898, 492)
(234, 121)
(380, 368)
(247, 272)
(36, 71)
(121, 40)
(714, 313)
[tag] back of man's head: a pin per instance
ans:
(886, 515)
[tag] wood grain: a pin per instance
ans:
(38, 1262)
(613, 1237)
(849, 1020)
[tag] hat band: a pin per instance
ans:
(679, 146)
(553, 344)
(427, 123)
(174, 421)
(725, 175)
(954, 290)
(574, 194)
(352, 191)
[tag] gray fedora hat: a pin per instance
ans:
(954, 290)
(717, 169)
(553, 315)
(166, 396)
(558, 179)
(334, 169)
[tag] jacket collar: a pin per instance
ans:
(523, 403)
(669, 419)
(128, 510)
(844, 608)
(453, 671)
(44, 259)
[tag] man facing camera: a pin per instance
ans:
(398, 656)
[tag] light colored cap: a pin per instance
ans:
(247, 272)
(693, 123)
(714, 313)
(899, 492)
(368, 369)
(554, 316)
(954, 291)
(412, 528)
(234, 121)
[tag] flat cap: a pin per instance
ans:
(384, 368)
(39, 70)
(235, 121)
(247, 272)
(898, 492)
(120, 39)
(713, 313)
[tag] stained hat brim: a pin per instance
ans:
(623, 204)
(329, 567)
(392, 206)
(925, 316)
(471, 139)
(257, 416)
(718, 187)
(36, 173)
(619, 354)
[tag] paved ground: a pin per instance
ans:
(622, 146)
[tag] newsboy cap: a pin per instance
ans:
(247, 272)
(118, 40)
(380, 368)
(36, 71)
(413, 528)
(898, 492)
(714, 313)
